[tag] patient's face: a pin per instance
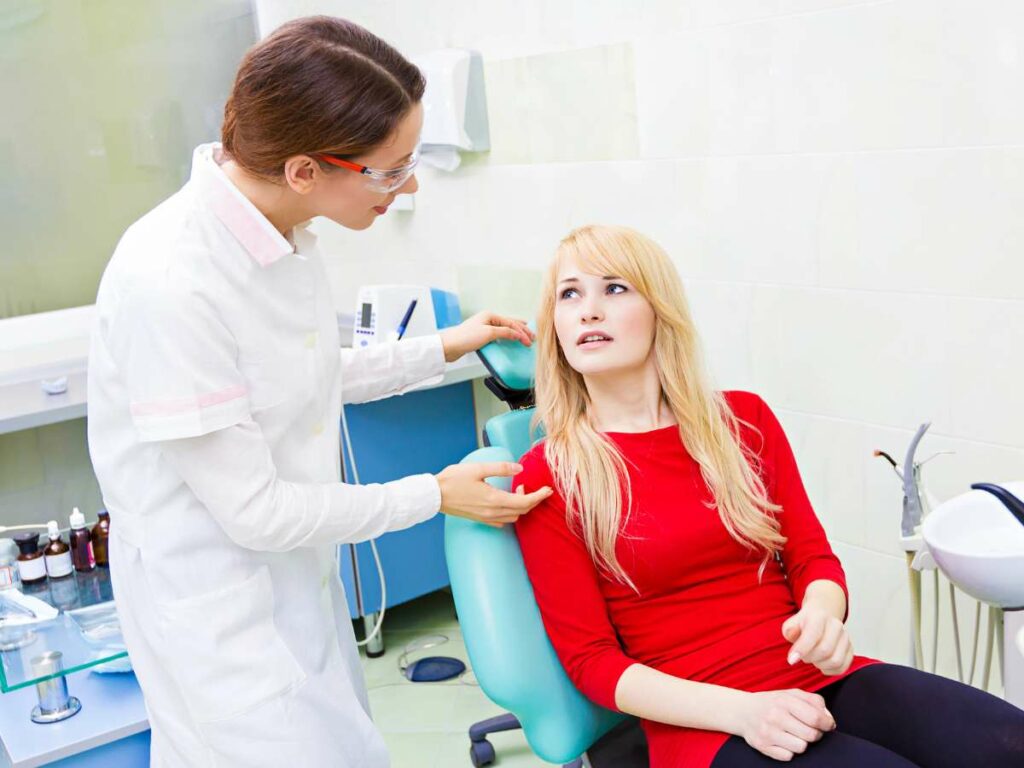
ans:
(604, 325)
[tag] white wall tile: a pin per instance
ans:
(721, 312)
(644, 195)
(566, 106)
(938, 74)
(834, 467)
(705, 91)
(857, 355)
(817, 6)
(758, 217)
(942, 221)
(879, 622)
(985, 370)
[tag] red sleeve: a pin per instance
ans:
(565, 583)
(806, 555)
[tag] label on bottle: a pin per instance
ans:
(6, 576)
(59, 565)
(32, 570)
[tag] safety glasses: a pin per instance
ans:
(377, 181)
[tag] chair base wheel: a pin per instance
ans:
(481, 753)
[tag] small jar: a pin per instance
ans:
(31, 564)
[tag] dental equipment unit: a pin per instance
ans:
(925, 552)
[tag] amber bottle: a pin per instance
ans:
(31, 565)
(100, 534)
(57, 554)
(81, 543)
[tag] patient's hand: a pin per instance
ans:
(780, 724)
(818, 638)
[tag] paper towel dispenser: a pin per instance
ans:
(454, 106)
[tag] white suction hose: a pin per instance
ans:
(373, 544)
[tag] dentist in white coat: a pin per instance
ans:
(216, 382)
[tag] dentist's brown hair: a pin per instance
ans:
(319, 84)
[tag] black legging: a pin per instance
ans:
(889, 716)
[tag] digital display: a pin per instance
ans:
(364, 318)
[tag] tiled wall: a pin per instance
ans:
(102, 104)
(841, 184)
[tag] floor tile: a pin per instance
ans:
(425, 725)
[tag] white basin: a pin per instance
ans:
(979, 545)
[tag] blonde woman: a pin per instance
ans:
(680, 570)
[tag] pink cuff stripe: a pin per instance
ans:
(187, 404)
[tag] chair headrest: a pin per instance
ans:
(511, 365)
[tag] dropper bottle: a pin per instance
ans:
(57, 553)
(81, 543)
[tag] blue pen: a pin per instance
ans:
(405, 320)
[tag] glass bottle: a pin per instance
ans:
(81, 544)
(57, 553)
(31, 564)
(100, 534)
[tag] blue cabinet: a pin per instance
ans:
(423, 431)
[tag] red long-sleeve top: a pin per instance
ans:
(701, 613)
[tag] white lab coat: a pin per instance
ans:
(215, 388)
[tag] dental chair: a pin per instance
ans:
(508, 648)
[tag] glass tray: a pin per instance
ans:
(84, 631)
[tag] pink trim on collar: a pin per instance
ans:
(250, 227)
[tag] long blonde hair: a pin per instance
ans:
(588, 469)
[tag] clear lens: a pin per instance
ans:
(389, 181)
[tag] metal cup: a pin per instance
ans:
(54, 702)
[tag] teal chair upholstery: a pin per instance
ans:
(508, 648)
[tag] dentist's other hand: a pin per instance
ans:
(781, 724)
(818, 638)
(464, 493)
(482, 328)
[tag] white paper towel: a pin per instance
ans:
(440, 157)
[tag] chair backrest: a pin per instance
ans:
(510, 652)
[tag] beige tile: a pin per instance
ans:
(565, 106)
(413, 707)
(418, 750)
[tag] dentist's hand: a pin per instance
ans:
(482, 328)
(464, 493)
(781, 724)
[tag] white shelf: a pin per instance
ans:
(43, 346)
(53, 344)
